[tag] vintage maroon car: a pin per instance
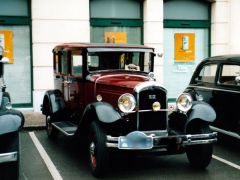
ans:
(107, 95)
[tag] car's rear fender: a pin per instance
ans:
(52, 102)
(10, 121)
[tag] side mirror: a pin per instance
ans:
(237, 80)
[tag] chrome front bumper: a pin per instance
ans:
(8, 157)
(139, 142)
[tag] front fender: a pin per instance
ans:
(10, 121)
(201, 110)
(104, 112)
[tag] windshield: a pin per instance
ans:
(132, 61)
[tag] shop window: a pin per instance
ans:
(124, 9)
(185, 9)
(115, 21)
(14, 8)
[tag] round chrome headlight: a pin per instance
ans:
(126, 102)
(184, 102)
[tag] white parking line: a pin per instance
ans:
(226, 162)
(51, 167)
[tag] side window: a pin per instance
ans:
(64, 62)
(207, 74)
(56, 62)
(93, 62)
(76, 58)
(229, 74)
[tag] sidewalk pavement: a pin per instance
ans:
(34, 120)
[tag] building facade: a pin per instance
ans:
(183, 32)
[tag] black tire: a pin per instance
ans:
(10, 170)
(98, 152)
(52, 132)
(200, 156)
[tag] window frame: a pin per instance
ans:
(22, 21)
(220, 75)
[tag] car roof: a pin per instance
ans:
(78, 45)
(226, 58)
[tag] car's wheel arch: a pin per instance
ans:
(53, 101)
(98, 111)
(202, 112)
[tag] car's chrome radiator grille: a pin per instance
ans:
(150, 120)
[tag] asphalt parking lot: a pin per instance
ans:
(63, 158)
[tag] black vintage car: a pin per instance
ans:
(107, 95)
(11, 121)
(216, 81)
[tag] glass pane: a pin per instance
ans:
(125, 9)
(76, 64)
(208, 73)
(180, 73)
(229, 74)
(187, 10)
(17, 75)
(133, 61)
(14, 8)
(64, 63)
(133, 34)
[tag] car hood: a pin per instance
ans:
(120, 79)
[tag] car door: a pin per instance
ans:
(76, 82)
(64, 76)
(226, 97)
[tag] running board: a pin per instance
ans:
(67, 128)
(229, 133)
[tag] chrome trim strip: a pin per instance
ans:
(8, 157)
(62, 131)
(196, 142)
(143, 85)
(137, 111)
(112, 145)
(184, 140)
(229, 133)
(149, 110)
(218, 89)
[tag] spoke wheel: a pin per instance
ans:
(98, 152)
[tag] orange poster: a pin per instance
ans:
(184, 47)
(115, 37)
(6, 41)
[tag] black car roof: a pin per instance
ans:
(228, 58)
